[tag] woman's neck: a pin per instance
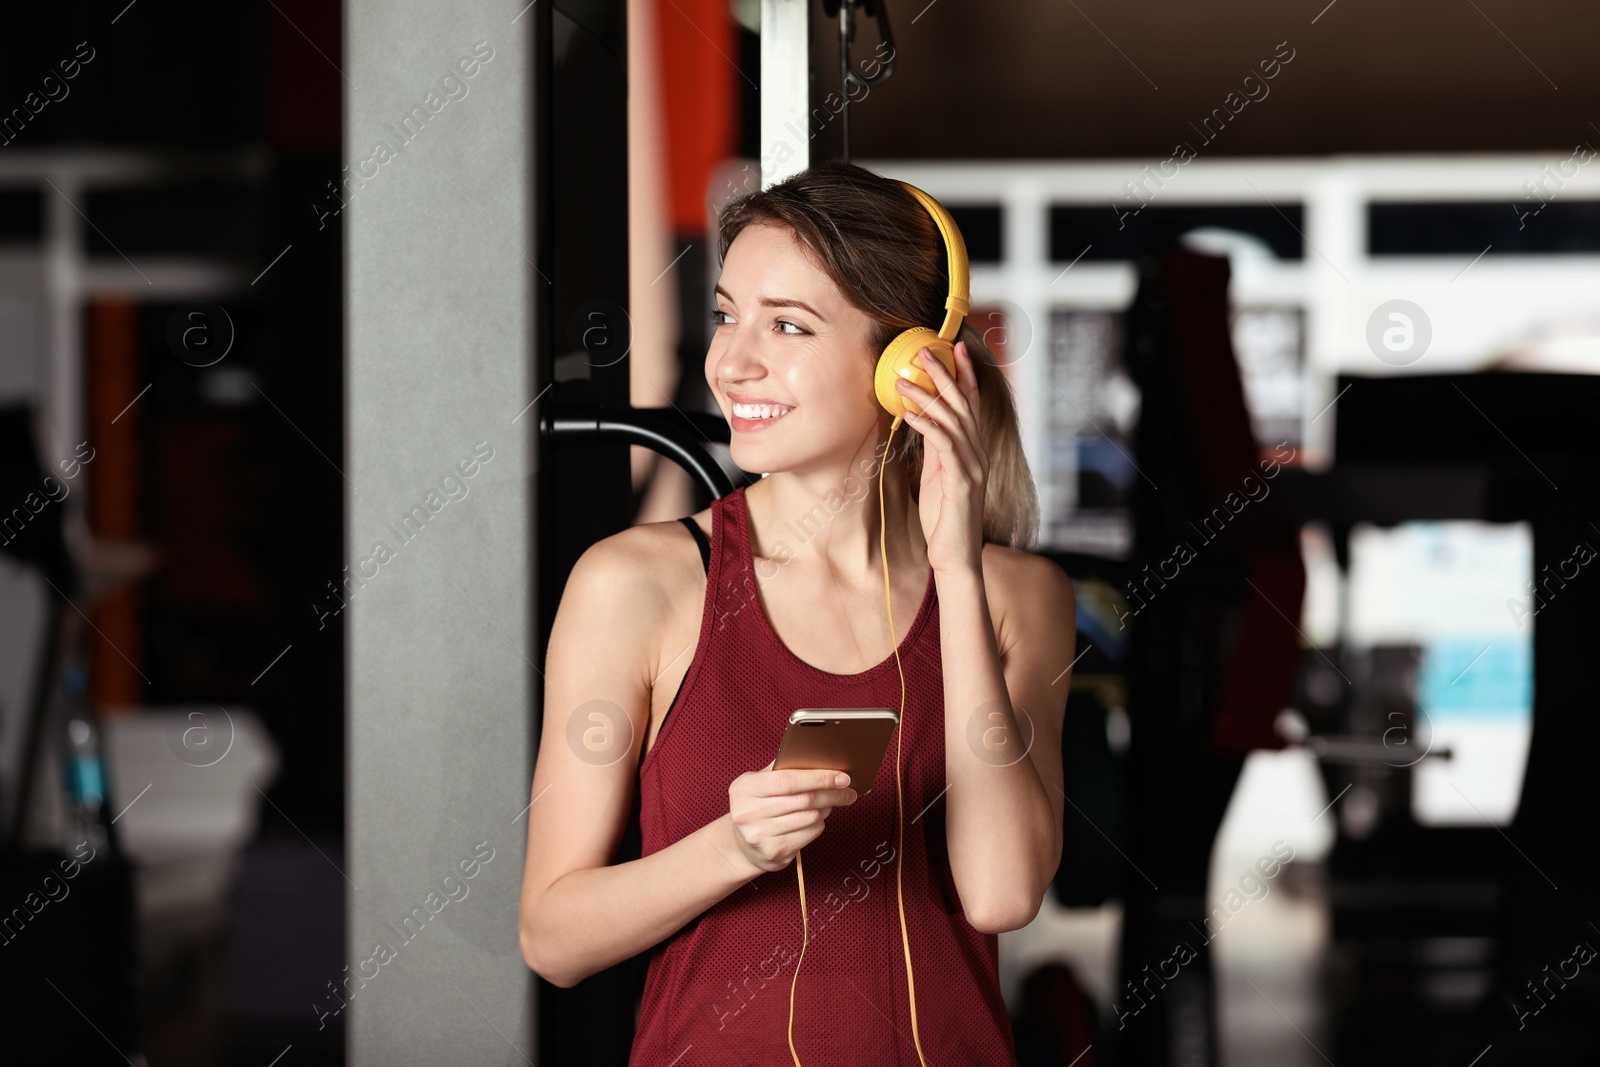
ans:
(832, 519)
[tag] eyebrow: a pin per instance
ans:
(777, 302)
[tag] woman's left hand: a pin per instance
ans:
(955, 470)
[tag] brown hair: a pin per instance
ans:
(882, 249)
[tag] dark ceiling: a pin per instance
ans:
(1098, 78)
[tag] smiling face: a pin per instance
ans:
(790, 360)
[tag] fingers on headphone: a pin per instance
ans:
(963, 399)
(918, 416)
(945, 382)
(968, 375)
(945, 391)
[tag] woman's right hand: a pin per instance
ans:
(777, 813)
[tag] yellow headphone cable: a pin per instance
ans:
(900, 816)
(898, 360)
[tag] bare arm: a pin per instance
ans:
(1003, 708)
(1003, 717)
(579, 915)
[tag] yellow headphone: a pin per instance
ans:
(899, 360)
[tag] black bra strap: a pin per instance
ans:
(701, 538)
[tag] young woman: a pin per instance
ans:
(680, 649)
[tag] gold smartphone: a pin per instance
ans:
(852, 740)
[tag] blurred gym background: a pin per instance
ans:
(1301, 306)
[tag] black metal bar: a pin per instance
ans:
(672, 433)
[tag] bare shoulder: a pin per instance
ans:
(1017, 570)
(646, 563)
(631, 583)
(1026, 591)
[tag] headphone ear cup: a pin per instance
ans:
(899, 360)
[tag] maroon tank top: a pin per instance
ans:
(717, 990)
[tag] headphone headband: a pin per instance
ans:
(957, 303)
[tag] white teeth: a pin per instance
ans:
(760, 411)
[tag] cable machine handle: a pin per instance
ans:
(656, 429)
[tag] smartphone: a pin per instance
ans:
(852, 740)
